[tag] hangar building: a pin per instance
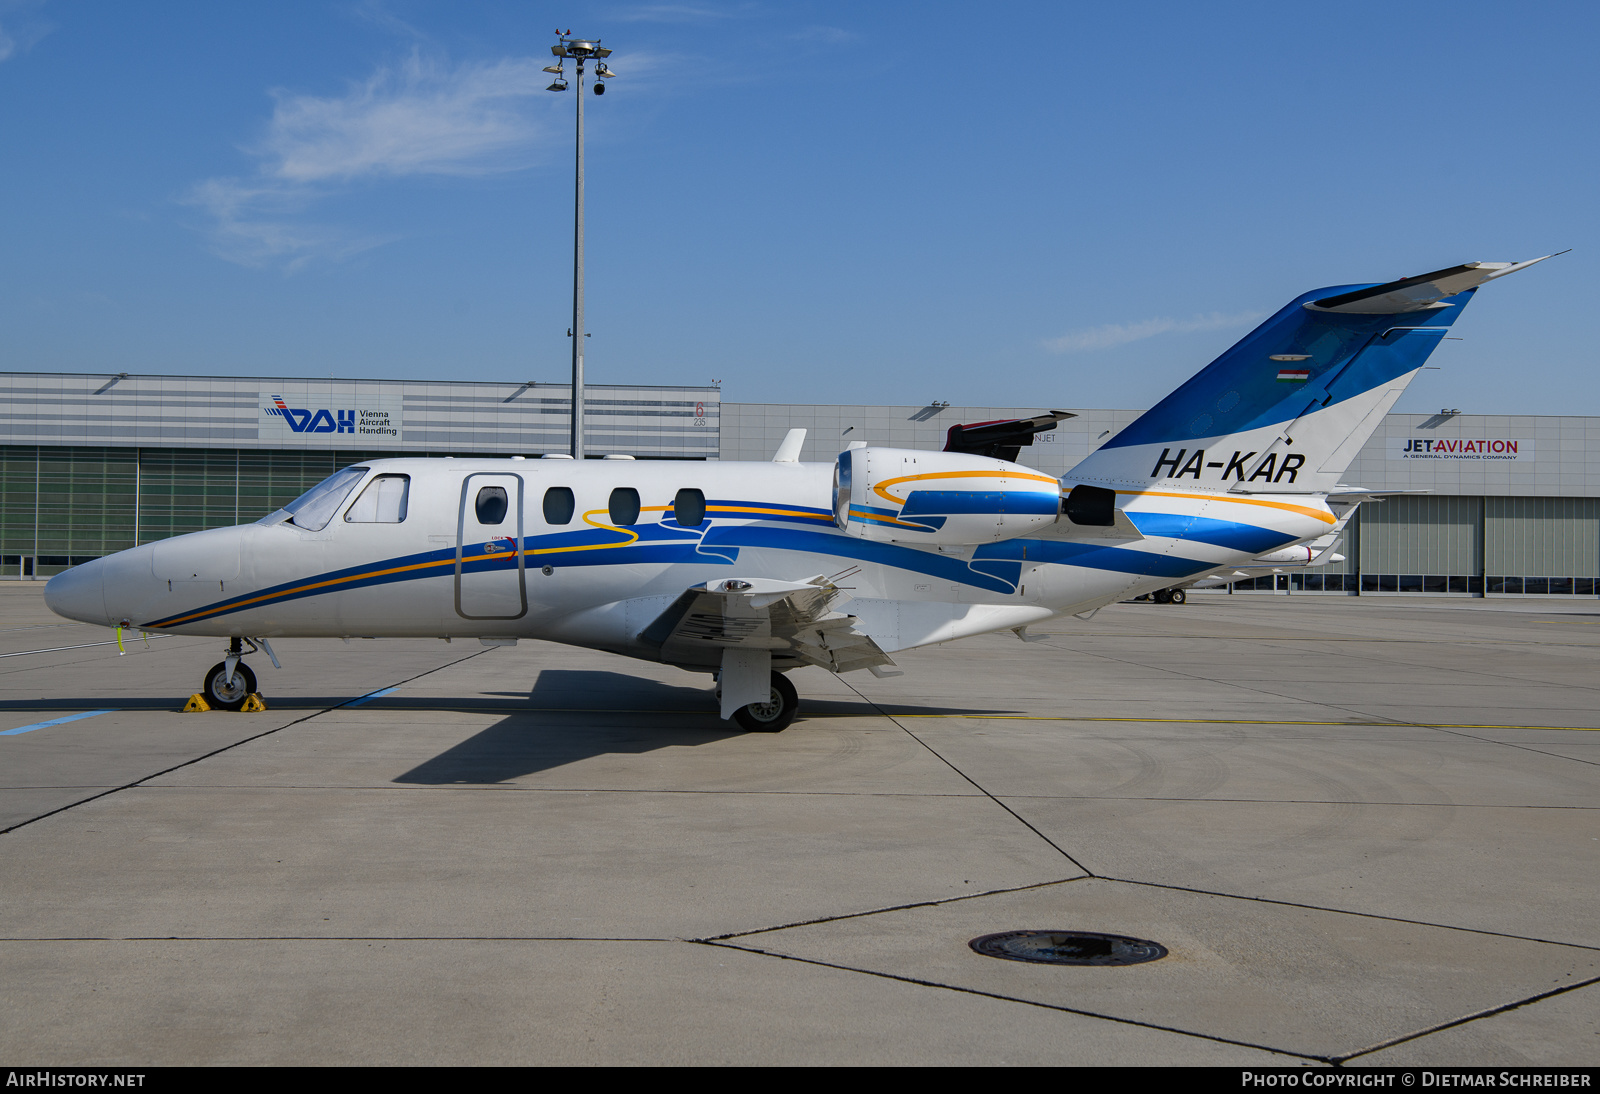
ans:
(95, 463)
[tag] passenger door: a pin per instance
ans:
(489, 562)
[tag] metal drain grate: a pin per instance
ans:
(1068, 948)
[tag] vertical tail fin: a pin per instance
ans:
(1289, 406)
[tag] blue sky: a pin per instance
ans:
(1057, 204)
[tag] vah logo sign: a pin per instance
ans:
(1460, 448)
(307, 417)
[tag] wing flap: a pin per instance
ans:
(794, 620)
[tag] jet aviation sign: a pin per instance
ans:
(1460, 448)
(330, 418)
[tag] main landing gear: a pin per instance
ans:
(230, 682)
(773, 715)
(1169, 596)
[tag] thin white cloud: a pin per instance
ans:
(20, 33)
(672, 13)
(419, 117)
(1119, 334)
(823, 35)
(378, 14)
(256, 224)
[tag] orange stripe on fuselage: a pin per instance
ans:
(633, 537)
(827, 519)
(236, 605)
(1320, 514)
(882, 488)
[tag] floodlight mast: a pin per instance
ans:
(580, 50)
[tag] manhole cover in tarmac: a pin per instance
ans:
(1068, 948)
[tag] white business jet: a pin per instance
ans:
(749, 570)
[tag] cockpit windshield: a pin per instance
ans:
(316, 507)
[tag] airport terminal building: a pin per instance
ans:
(95, 463)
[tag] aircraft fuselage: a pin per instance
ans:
(561, 562)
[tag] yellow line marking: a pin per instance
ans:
(882, 488)
(1325, 517)
(1233, 721)
(997, 717)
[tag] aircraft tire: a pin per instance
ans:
(1162, 596)
(773, 715)
(1176, 596)
(219, 695)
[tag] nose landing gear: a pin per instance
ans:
(230, 682)
(221, 694)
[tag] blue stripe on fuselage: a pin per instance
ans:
(954, 502)
(1222, 533)
(995, 567)
(1093, 556)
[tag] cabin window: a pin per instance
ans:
(624, 505)
(689, 508)
(315, 508)
(559, 505)
(382, 502)
(492, 505)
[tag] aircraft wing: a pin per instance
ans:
(793, 619)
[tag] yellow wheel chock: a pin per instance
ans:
(196, 704)
(254, 704)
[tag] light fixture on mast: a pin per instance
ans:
(579, 50)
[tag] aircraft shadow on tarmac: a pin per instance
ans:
(577, 715)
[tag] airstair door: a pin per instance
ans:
(489, 564)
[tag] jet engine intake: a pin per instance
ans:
(940, 498)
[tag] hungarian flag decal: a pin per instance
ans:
(1294, 375)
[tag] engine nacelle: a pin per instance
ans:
(939, 498)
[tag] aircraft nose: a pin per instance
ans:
(78, 593)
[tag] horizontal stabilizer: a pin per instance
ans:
(1422, 292)
(1358, 493)
(1002, 440)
